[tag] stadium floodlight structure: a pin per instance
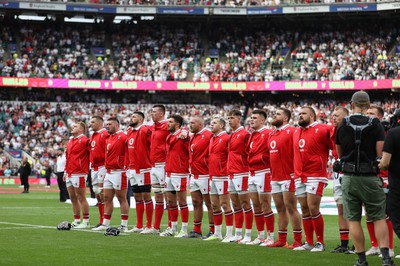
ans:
(32, 17)
(82, 19)
(119, 19)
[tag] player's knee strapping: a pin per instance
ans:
(158, 189)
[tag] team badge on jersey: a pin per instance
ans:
(302, 143)
(273, 144)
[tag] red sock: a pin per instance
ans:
(344, 234)
(229, 218)
(100, 206)
(124, 217)
(77, 217)
(390, 228)
(282, 236)
(371, 232)
(139, 214)
(197, 226)
(297, 235)
(212, 228)
(239, 218)
(174, 213)
(184, 213)
(107, 216)
(149, 213)
(217, 218)
(248, 215)
(318, 224)
(308, 229)
(158, 214)
(86, 216)
(269, 220)
(259, 221)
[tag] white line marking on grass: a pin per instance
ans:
(24, 227)
(35, 226)
(29, 225)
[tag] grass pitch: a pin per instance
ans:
(28, 236)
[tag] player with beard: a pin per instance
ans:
(115, 181)
(97, 149)
(260, 179)
(283, 185)
(199, 179)
(311, 142)
(219, 180)
(139, 163)
(338, 115)
(238, 168)
(177, 173)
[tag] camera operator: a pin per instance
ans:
(359, 142)
(390, 159)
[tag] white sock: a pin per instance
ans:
(124, 223)
(86, 221)
(77, 221)
(218, 230)
(106, 222)
(261, 235)
(248, 233)
(185, 227)
(174, 226)
(271, 236)
(229, 230)
(238, 231)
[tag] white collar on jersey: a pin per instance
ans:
(176, 132)
(239, 128)
(313, 124)
(220, 133)
(119, 131)
(77, 137)
(138, 127)
(99, 131)
(282, 127)
(201, 131)
(261, 129)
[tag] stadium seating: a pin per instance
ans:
(174, 52)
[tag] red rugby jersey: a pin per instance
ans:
(311, 147)
(115, 151)
(237, 157)
(97, 148)
(218, 155)
(177, 149)
(77, 155)
(258, 150)
(281, 153)
(158, 140)
(138, 145)
(199, 152)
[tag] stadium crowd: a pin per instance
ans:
(169, 52)
(41, 127)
